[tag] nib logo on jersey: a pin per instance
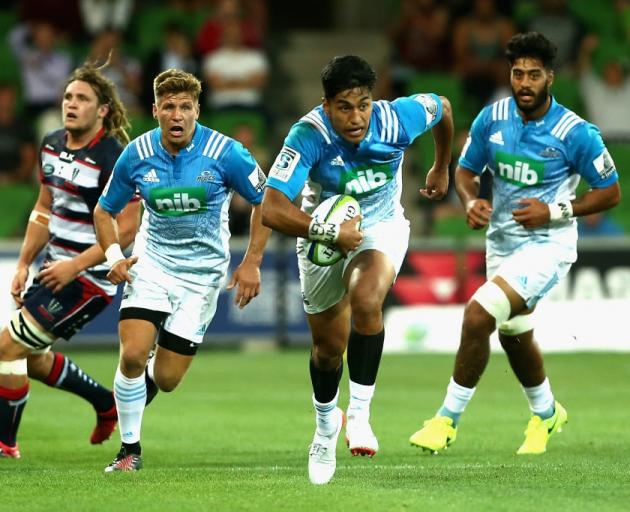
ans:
(362, 181)
(178, 201)
(522, 172)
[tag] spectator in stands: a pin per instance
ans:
(554, 20)
(100, 15)
(420, 42)
(250, 15)
(478, 42)
(235, 73)
(606, 96)
(17, 141)
(43, 67)
(63, 15)
(176, 52)
(125, 71)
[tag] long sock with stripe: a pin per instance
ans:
(66, 375)
(12, 403)
(131, 396)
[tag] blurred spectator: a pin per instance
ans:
(606, 96)
(18, 152)
(598, 224)
(251, 16)
(64, 15)
(478, 45)
(420, 42)
(43, 67)
(100, 15)
(176, 52)
(554, 20)
(235, 73)
(125, 71)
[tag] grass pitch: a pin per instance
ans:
(235, 435)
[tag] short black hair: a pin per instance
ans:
(533, 45)
(347, 72)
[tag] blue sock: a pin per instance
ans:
(450, 414)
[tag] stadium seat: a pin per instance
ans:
(17, 202)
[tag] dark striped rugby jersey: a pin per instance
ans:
(76, 179)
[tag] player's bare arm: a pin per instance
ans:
(436, 184)
(246, 277)
(108, 238)
(279, 213)
(534, 213)
(478, 210)
(35, 240)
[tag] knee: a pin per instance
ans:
(328, 356)
(366, 308)
(133, 359)
(477, 321)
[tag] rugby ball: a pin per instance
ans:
(336, 209)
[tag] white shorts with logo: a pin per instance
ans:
(532, 270)
(323, 287)
(190, 306)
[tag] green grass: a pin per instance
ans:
(234, 436)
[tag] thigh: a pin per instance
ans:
(369, 276)
(170, 367)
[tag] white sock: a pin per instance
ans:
(325, 417)
(457, 397)
(360, 398)
(540, 398)
(130, 395)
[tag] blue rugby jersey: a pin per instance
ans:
(318, 162)
(186, 197)
(542, 159)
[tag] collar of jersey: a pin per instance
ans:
(196, 140)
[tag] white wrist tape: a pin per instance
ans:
(113, 254)
(326, 232)
(560, 211)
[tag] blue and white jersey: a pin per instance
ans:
(186, 197)
(320, 163)
(542, 159)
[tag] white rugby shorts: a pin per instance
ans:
(190, 306)
(532, 270)
(323, 287)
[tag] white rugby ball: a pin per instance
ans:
(335, 209)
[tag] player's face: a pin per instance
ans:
(530, 86)
(176, 114)
(81, 112)
(349, 112)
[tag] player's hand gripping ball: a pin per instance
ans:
(335, 209)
